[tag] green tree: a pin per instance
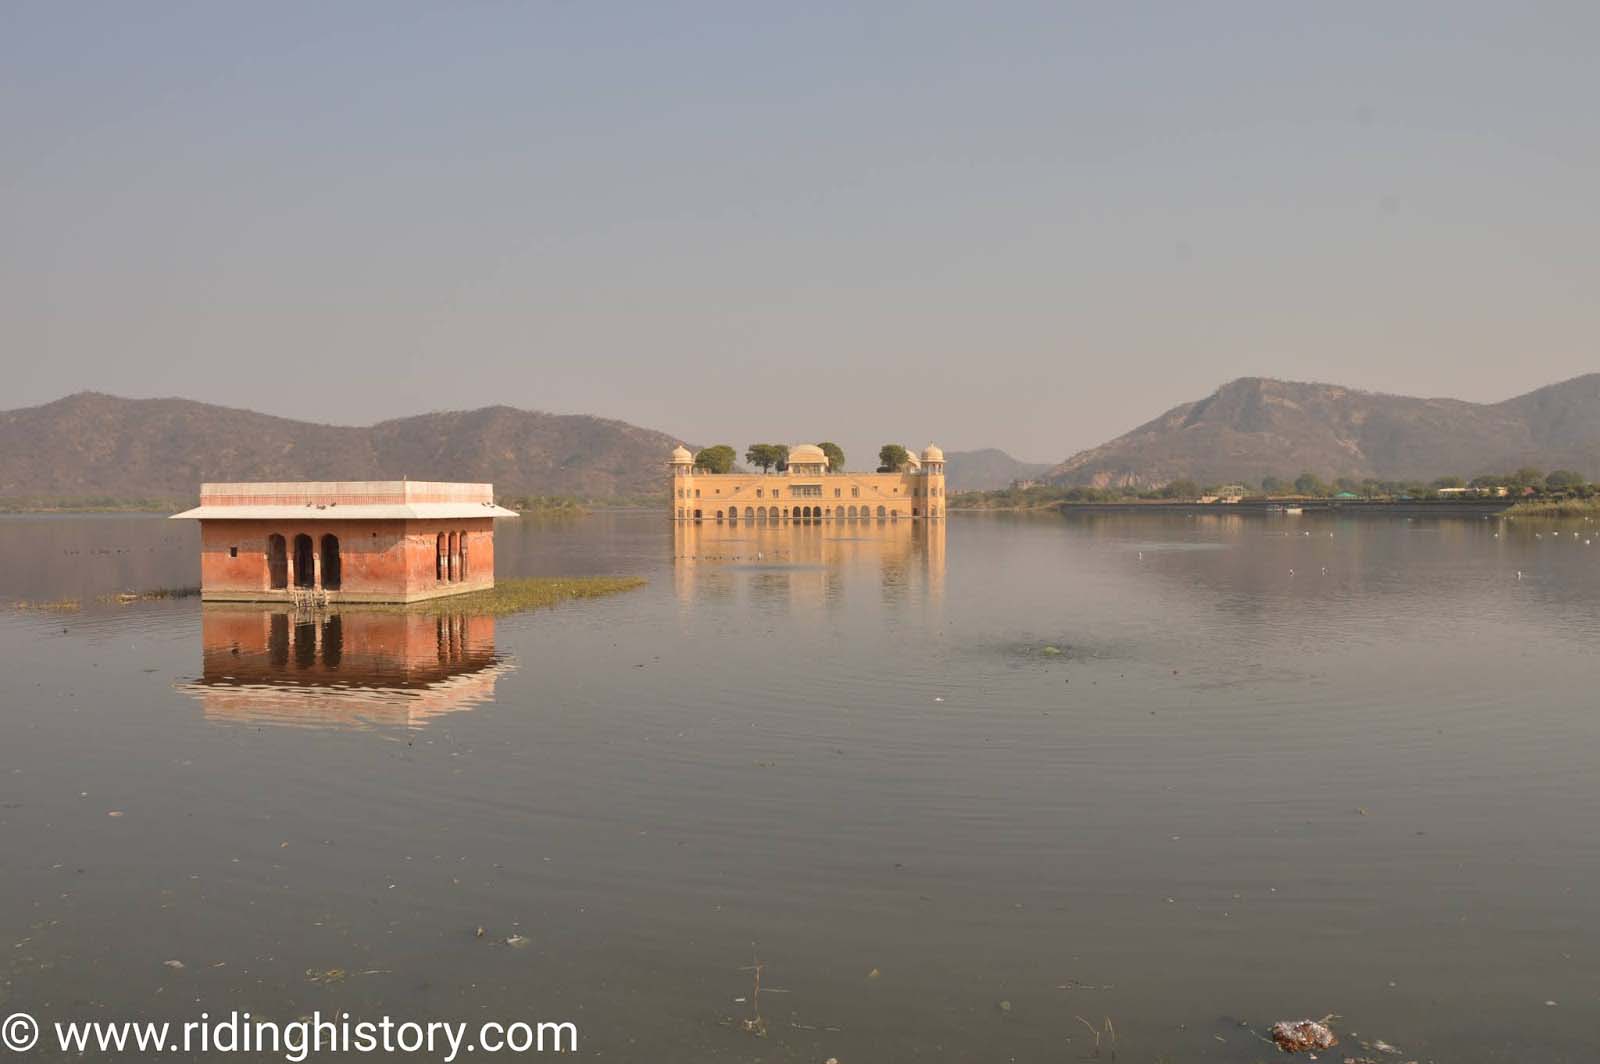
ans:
(1528, 477)
(1449, 482)
(835, 455)
(892, 458)
(717, 459)
(1274, 485)
(1310, 484)
(1180, 489)
(1564, 478)
(766, 455)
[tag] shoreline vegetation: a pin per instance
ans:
(505, 598)
(1555, 507)
(1525, 492)
(88, 505)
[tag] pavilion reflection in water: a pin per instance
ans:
(811, 561)
(343, 668)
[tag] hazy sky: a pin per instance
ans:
(1026, 226)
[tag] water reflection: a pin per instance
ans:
(809, 562)
(343, 669)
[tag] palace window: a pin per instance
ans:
(836, 493)
(807, 491)
(855, 492)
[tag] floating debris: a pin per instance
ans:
(518, 941)
(1295, 1036)
(174, 965)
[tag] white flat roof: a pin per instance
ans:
(333, 500)
(415, 511)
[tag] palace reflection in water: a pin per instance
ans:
(342, 669)
(810, 562)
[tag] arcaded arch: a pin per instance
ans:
(332, 575)
(305, 563)
(277, 564)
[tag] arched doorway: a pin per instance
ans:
(277, 564)
(450, 558)
(881, 513)
(330, 562)
(305, 564)
(461, 564)
(441, 551)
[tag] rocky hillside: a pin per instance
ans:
(1257, 427)
(987, 470)
(90, 445)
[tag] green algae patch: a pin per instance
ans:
(519, 596)
(55, 605)
(155, 594)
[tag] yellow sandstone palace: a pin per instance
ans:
(807, 491)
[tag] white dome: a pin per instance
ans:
(807, 454)
(681, 455)
(931, 453)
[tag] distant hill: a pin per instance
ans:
(986, 470)
(1256, 426)
(92, 445)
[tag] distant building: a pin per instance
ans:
(344, 541)
(1494, 492)
(807, 491)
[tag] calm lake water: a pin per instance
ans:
(955, 788)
